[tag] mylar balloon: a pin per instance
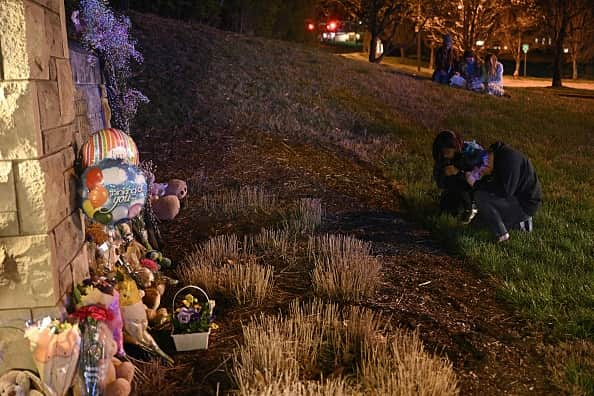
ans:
(113, 191)
(109, 143)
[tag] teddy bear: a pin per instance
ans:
(20, 383)
(118, 374)
(177, 187)
(165, 202)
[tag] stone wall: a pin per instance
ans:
(41, 229)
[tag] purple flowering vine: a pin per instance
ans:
(109, 36)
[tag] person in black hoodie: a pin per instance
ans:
(452, 157)
(508, 193)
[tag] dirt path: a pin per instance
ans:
(453, 307)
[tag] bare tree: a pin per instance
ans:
(426, 16)
(580, 40)
(474, 20)
(556, 16)
(518, 19)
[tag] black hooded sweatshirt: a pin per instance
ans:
(514, 176)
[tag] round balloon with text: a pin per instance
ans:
(113, 191)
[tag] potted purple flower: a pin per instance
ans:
(192, 320)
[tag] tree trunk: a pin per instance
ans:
(432, 58)
(574, 74)
(558, 60)
(402, 53)
(373, 48)
(518, 60)
(419, 51)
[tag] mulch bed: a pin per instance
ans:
(452, 306)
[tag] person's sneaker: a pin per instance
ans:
(503, 237)
(526, 225)
(469, 215)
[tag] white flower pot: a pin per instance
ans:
(191, 341)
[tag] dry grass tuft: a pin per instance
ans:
(306, 217)
(317, 340)
(277, 242)
(344, 269)
(248, 199)
(221, 266)
(400, 366)
(154, 375)
(282, 387)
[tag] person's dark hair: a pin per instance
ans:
(468, 54)
(446, 139)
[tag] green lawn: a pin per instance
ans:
(549, 274)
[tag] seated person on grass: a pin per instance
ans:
(445, 62)
(506, 191)
(452, 156)
(471, 71)
(493, 76)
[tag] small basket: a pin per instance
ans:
(191, 341)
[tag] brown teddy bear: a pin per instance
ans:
(118, 375)
(166, 206)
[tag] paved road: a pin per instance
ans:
(508, 81)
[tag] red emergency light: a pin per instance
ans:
(311, 27)
(331, 26)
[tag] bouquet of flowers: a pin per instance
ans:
(193, 316)
(55, 346)
(98, 291)
(95, 338)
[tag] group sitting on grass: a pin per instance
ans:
(470, 73)
(495, 188)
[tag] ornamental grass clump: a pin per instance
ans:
(344, 268)
(297, 353)
(276, 242)
(305, 218)
(221, 266)
(246, 200)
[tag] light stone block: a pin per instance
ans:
(54, 311)
(68, 238)
(37, 48)
(57, 139)
(13, 40)
(80, 266)
(53, 30)
(7, 190)
(41, 195)
(53, 5)
(65, 280)
(9, 224)
(27, 276)
(66, 91)
(20, 135)
(13, 346)
(49, 103)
